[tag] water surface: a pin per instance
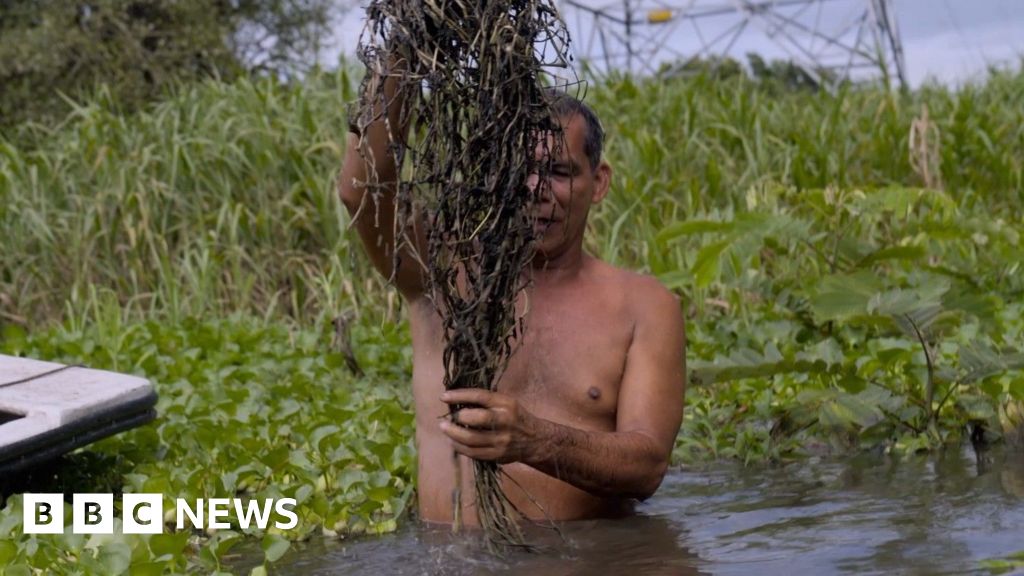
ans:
(867, 515)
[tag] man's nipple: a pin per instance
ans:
(594, 393)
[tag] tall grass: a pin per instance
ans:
(221, 199)
(687, 146)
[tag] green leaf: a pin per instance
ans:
(979, 361)
(222, 542)
(8, 552)
(831, 415)
(911, 252)
(897, 303)
(148, 568)
(18, 570)
(897, 199)
(274, 546)
(841, 296)
(173, 543)
(976, 406)
(746, 363)
(276, 457)
(675, 279)
(350, 477)
(13, 338)
(379, 494)
(883, 399)
(115, 557)
(862, 412)
(705, 267)
(983, 306)
(321, 433)
(690, 227)
(827, 351)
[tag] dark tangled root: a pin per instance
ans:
(472, 73)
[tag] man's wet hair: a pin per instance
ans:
(564, 105)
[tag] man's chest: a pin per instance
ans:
(569, 362)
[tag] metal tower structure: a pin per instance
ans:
(845, 38)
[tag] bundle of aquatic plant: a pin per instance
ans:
(471, 78)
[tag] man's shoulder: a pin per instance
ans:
(644, 292)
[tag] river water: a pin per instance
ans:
(866, 515)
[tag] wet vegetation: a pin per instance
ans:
(849, 264)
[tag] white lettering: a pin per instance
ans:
(253, 511)
(43, 513)
(218, 508)
(196, 517)
(143, 513)
(92, 514)
(279, 506)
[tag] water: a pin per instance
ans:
(869, 515)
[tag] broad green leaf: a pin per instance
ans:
(874, 395)
(705, 267)
(979, 361)
(911, 252)
(983, 306)
(746, 363)
(8, 552)
(148, 568)
(896, 303)
(675, 279)
(168, 543)
(690, 227)
(274, 546)
(222, 542)
(115, 557)
(350, 477)
(18, 570)
(842, 296)
(863, 412)
(840, 413)
(827, 351)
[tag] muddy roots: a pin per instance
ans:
(472, 74)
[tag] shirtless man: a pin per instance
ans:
(586, 414)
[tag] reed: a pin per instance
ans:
(222, 199)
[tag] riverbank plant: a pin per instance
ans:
(246, 410)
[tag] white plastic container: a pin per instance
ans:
(48, 409)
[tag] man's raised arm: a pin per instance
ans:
(368, 160)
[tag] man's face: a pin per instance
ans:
(564, 198)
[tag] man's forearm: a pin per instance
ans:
(380, 123)
(609, 464)
(492, 426)
(384, 123)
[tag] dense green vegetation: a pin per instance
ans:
(245, 408)
(139, 49)
(847, 286)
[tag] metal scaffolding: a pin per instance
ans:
(828, 39)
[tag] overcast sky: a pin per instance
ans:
(948, 40)
(953, 39)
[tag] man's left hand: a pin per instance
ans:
(491, 426)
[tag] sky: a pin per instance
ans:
(952, 40)
(949, 41)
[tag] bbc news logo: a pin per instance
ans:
(144, 513)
